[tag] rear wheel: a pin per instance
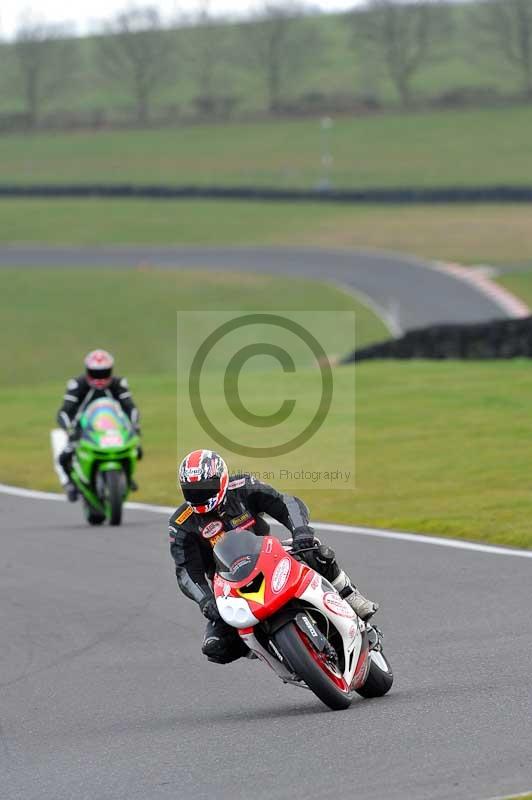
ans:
(380, 676)
(114, 480)
(310, 665)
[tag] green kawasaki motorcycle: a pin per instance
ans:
(104, 460)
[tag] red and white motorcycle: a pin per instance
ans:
(293, 619)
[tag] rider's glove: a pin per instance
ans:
(209, 609)
(73, 433)
(303, 538)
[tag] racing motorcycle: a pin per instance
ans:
(104, 460)
(294, 620)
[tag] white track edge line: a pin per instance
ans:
(506, 300)
(389, 320)
(379, 533)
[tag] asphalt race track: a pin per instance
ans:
(104, 694)
(402, 287)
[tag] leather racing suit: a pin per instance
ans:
(193, 536)
(78, 395)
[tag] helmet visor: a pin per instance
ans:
(99, 374)
(198, 494)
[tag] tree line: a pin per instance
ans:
(135, 52)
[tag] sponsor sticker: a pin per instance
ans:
(236, 484)
(240, 562)
(337, 605)
(111, 440)
(245, 520)
(315, 582)
(184, 515)
(310, 627)
(281, 574)
(211, 529)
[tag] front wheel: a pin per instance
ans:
(310, 665)
(380, 676)
(114, 480)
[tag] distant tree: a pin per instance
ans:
(506, 27)
(136, 51)
(281, 41)
(406, 37)
(45, 61)
(207, 51)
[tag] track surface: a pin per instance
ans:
(104, 694)
(404, 288)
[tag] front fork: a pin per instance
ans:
(92, 497)
(375, 637)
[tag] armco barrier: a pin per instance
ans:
(498, 339)
(460, 194)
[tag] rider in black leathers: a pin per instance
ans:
(98, 381)
(241, 504)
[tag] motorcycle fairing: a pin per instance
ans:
(108, 442)
(260, 595)
(245, 603)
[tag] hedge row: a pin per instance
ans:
(453, 194)
(497, 339)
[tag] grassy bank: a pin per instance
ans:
(467, 233)
(474, 147)
(50, 318)
(518, 282)
(440, 447)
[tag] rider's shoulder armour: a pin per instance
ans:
(240, 480)
(181, 515)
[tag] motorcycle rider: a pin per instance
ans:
(98, 381)
(216, 502)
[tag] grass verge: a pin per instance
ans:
(469, 234)
(415, 149)
(518, 282)
(440, 447)
(50, 318)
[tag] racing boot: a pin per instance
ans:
(222, 644)
(362, 607)
(65, 461)
(71, 492)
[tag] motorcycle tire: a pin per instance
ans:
(305, 661)
(115, 494)
(380, 676)
(93, 516)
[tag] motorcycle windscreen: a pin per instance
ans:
(104, 420)
(236, 555)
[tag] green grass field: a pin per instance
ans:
(520, 283)
(477, 147)
(440, 447)
(470, 234)
(51, 317)
(520, 797)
